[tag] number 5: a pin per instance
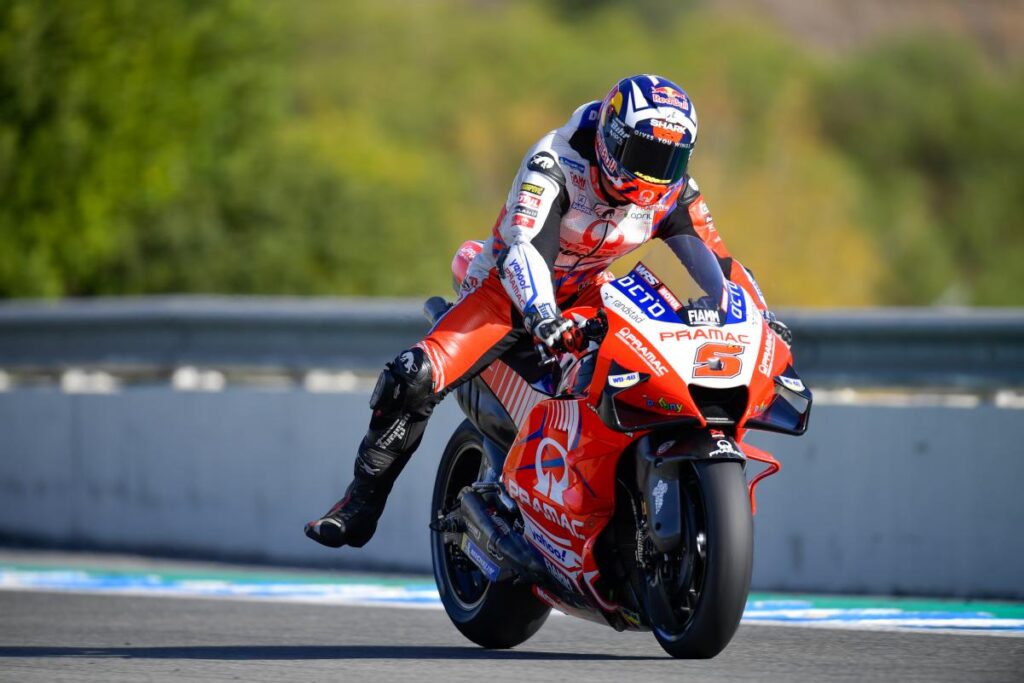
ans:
(718, 361)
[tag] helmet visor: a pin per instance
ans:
(653, 160)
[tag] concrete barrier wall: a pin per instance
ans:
(883, 500)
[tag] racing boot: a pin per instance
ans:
(353, 519)
(402, 402)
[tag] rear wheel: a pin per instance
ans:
(492, 615)
(702, 594)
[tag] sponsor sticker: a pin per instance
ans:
(527, 199)
(643, 295)
(670, 96)
(640, 349)
(559, 575)
(607, 159)
(623, 381)
(574, 165)
(659, 491)
(526, 211)
(725, 447)
(545, 509)
(489, 568)
(626, 310)
(737, 304)
(767, 356)
(532, 188)
(581, 204)
(665, 404)
(647, 275)
(792, 383)
(702, 316)
(669, 132)
(709, 334)
(523, 221)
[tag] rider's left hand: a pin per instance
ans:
(779, 327)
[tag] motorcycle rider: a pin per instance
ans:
(610, 179)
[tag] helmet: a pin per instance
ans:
(646, 131)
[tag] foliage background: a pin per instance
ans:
(349, 147)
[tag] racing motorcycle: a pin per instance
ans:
(609, 482)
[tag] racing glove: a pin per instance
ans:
(779, 327)
(555, 333)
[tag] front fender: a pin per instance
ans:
(661, 461)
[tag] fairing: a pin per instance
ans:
(655, 373)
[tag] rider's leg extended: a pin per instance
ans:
(470, 335)
(401, 402)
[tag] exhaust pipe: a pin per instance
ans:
(504, 547)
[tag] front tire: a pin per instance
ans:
(492, 615)
(724, 518)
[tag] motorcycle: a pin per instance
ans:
(609, 481)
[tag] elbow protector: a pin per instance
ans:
(527, 280)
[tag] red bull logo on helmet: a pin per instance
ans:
(670, 96)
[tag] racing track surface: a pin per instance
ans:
(69, 637)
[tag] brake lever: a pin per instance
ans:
(546, 357)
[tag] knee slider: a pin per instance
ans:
(405, 385)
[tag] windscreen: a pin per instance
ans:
(703, 267)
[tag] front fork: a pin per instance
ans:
(662, 462)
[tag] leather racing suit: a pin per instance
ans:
(551, 245)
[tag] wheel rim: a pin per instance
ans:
(466, 583)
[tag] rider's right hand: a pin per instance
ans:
(554, 332)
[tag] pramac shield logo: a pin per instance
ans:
(549, 460)
(547, 484)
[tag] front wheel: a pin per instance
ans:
(492, 615)
(708, 602)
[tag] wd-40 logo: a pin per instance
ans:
(624, 381)
(792, 383)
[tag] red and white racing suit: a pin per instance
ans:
(551, 246)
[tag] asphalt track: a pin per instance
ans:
(47, 636)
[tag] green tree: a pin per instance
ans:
(936, 134)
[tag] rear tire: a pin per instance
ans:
(492, 615)
(729, 547)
